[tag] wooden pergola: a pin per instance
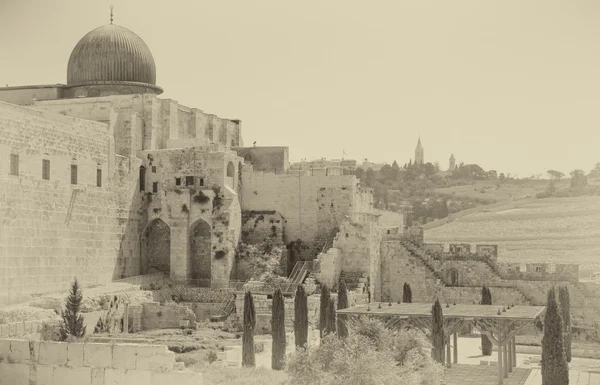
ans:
(501, 328)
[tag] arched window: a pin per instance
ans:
(248, 158)
(230, 170)
(453, 277)
(142, 178)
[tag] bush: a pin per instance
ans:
(211, 357)
(369, 355)
(259, 347)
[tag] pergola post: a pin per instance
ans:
(500, 370)
(510, 353)
(514, 350)
(505, 355)
(456, 348)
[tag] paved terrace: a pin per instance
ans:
(499, 324)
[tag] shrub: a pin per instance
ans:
(211, 357)
(300, 317)
(248, 347)
(406, 293)
(201, 198)
(369, 355)
(555, 369)
(278, 331)
(259, 347)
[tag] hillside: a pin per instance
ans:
(558, 230)
(499, 191)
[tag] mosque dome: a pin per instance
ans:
(111, 55)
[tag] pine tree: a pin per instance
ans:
(555, 369)
(325, 295)
(486, 344)
(565, 306)
(342, 328)
(278, 331)
(248, 358)
(330, 327)
(407, 293)
(300, 317)
(437, 332)
(72, 324)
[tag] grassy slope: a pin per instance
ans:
(502, 192)
(558, 230)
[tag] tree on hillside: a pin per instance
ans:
(555, 369)
(406, 293)
(492, 174)
(342, 328)
(325, 296)
(557, 175)
(248, 358)
(278, 331)
(437, 332)
(359, 172)
(578, 178)
(565, 307)
(72, 321)
(369, 177)
(300, 317)
(595, 173)
(486, 344)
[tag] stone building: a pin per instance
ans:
(101, 179)
(419, 153)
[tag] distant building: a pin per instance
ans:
(452, 163)
(419, 153)
(344, 164)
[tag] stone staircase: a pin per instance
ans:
(427, 260)
(354, 280)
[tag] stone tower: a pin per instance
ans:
(452, 163)
(419, 153)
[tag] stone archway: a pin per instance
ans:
(453, 277)
(156, 247)
(200, 251)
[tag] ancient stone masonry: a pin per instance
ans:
(60, 363)
(458, 275)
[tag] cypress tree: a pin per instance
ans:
(278, 331)
(486, 344)
(72, 321)
(325, 296)
(330, 328)
(437, 332)
(555, 369)
(300, 317)
(406, 293)
(342, 328)
(248, 358)
(565, 306)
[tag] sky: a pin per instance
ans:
(512, 85)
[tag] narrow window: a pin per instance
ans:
(99, 177)
(177, 181)
(14, 164)
(73, 174)
(142, 178)
(154, 187)
(46, 169)
(154, 169)
(201, 182)
(189, 180)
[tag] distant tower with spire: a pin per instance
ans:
(419, 153)
(452, 163)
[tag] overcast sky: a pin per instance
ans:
(512, 85)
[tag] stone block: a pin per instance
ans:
(154, 357)
(14, 374)
(19, 352)
(126, 377)
(20, 327)
(124, 356)
(97, 355)
(12, 329)
(98, 377)
(75, 355)
(53, 353)
(4, 350)
(44, 374)
(72, 376)
(4, 330)
(179, 378)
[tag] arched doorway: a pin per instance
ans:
(453, 277)
(248, 158)
(230, 170)
(156, 247)
(200, 251)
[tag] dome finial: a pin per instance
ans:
(111, 13)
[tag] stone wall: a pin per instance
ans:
(267, 159)
(258, 226)
(53, 231)
(61, 363)
(300, 199)
(166, 316)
